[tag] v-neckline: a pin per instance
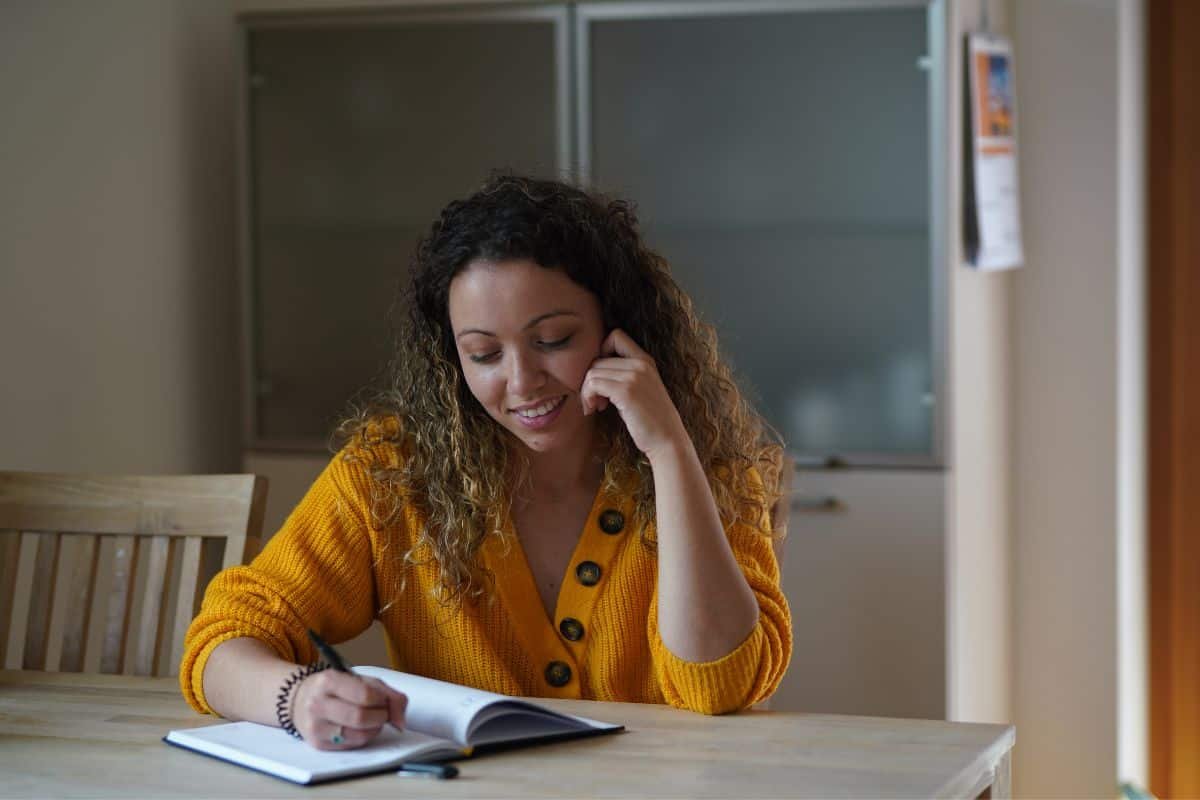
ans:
(523, 580)
(537, 634)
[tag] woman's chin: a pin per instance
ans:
(539, 443)
(557, 439)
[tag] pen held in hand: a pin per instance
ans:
(327, 652)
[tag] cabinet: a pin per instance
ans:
(786, 159)
(358, 131)
(780, 157)
(863, 570)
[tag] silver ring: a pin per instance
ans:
(337, 737)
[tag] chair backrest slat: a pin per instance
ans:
(56, 631)
(155, 565)
(93, 645)
(120, 601)
(235, 548)
(82, 582)
(14, 652)
(10, 556)
(189, 570)
(87, 564)
(43, 591)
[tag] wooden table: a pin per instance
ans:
(71, 735)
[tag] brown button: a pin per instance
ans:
(612, 521)
(558, 673)
(571, 628)
(588, 573)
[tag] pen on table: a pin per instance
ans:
(407, 769)
(413, 769)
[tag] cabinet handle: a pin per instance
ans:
(817, 503)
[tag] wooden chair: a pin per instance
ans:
(88, 560)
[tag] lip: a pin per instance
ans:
(537, 423)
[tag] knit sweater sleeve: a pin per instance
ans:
(316, 572)
(751, 672)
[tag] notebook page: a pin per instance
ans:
(270, 749)
(436, 707)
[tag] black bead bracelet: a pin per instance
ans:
(283, 705)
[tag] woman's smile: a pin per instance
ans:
(541, 414)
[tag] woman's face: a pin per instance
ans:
(526, 337)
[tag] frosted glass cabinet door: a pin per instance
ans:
(359, 131)
(780, 157)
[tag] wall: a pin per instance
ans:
(116, 237)
(1076, 408)
(978, 498)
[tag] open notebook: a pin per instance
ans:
(444, 721)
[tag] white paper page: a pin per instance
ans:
(436, 707)
(272, 750)
(450, 711)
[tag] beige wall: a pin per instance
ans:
(1076, 412)
(117, 344)
(978, 497)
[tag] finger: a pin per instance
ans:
(618, 343)
(394, 701)
(397, 705)
(603, 391)
(626, 369)
(592, 399)
(352, 715)
(358, 690)
(629, 365)
(593, 403)
(331, 736)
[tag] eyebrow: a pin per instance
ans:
(533, 322)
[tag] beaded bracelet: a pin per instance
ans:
(283, 705)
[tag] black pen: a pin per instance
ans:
(413, 769)
(327, 652)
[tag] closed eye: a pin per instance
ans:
(556, 344)
(485, 358)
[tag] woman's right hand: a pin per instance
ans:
(341, 711)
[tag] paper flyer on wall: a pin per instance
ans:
(991, 200)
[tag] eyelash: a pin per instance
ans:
(557, 344)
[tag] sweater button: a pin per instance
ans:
(571, 628)
(588, 573)
(558, 674)
(612, 522)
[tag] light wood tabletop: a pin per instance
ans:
(75, 735)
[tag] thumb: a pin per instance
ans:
(397, 705)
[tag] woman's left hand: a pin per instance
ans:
(626, 376)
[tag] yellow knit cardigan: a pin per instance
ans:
(330, 569)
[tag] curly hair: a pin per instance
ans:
(458, 465)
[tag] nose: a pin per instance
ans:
(525, 375)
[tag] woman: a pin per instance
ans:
(560, 495)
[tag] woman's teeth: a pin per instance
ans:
(540, 411)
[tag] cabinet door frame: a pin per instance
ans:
(938, 64)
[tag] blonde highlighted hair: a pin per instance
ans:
(458, 466)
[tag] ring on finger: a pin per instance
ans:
(337, 737)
